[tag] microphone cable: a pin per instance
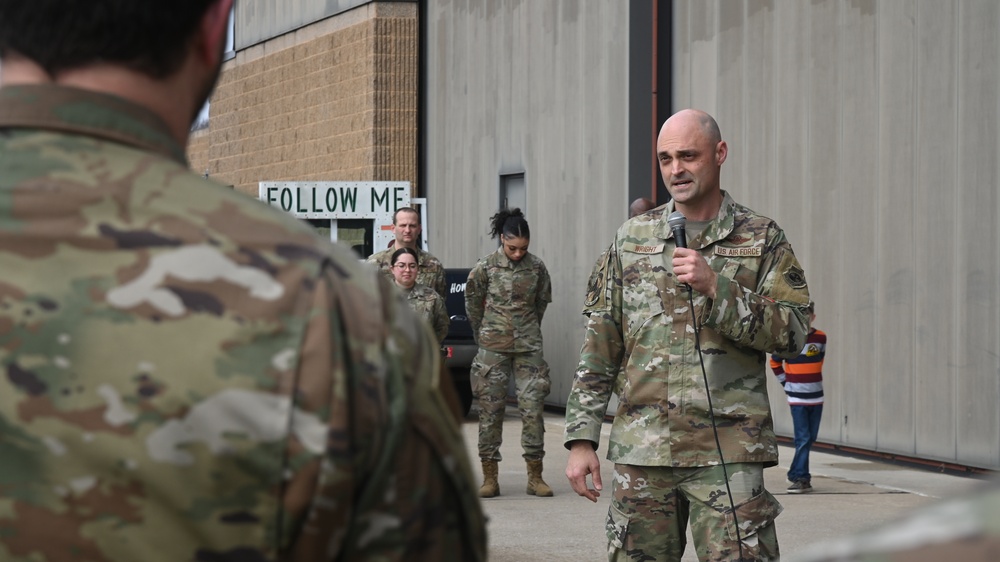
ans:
(711, 415)
(677, 223)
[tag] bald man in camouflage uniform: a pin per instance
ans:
(750, 299)
(189, 374)
(406, 227)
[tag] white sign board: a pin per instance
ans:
(375, 200)
(336, 199)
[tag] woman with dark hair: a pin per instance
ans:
(505, 299)
(421, 298)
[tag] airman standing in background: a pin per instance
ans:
(406, 227)
(505, 298)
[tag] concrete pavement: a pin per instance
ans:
(851, 494)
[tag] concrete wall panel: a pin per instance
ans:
(869, 132)
(539, 88)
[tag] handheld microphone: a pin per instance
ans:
(676, 221)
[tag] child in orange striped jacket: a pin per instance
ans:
(802, 378)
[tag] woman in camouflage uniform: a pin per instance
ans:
(505, 299)
(421, 298)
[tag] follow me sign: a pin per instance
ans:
(336, 199)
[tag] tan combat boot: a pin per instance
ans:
(490, 487)
(537, 486)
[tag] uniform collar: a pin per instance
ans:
(718, 229)
(85, 112)
(504, 261)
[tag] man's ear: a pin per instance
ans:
(721, 151)
(213, 31)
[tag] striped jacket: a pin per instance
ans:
(802, 376)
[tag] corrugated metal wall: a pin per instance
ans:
(869, 131)
(539, 88)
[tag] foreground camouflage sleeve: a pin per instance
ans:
(772, 316)
(394, 483)
(601, 354)
(476, 288)
(191, 375)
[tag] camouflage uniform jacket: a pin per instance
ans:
(191, 375)
(430, 272)
(639, 318)
(506, 300)
(430, 306)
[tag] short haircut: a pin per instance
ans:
(148, 36)
(405, 210)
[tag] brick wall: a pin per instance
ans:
(335, 101)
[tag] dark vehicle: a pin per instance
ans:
(459, 345)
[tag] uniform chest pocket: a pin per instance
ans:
(512, 286)
(642, 295)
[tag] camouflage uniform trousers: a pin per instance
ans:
(651, 506)
(491, 373)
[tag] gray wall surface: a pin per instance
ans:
(869, 131)
(539, 88)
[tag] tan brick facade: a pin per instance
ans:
(335, 101)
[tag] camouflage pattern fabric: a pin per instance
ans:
(430, 272)
(192, 375)
(597, 271)
(506, 300)
(429, 306)
(651, 506)
(965, 529)
(491, 372)
(639, 319)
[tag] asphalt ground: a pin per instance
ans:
(850, 494)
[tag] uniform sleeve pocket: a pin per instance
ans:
(616, 528)
(754, 514)
(477, 376)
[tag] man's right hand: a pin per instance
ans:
(583, 461)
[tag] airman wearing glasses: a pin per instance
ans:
(421, 298)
